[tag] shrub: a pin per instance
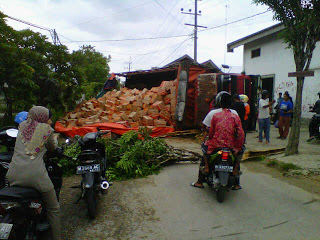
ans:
(134, 154)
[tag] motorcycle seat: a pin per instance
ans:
(6, 157)
(19, 193)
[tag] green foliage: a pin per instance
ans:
(36, 72)
(91, 70)
(69, 166)
(288, 166)
(272, 163)
(257, 159)
(285, 167)
(130, 156)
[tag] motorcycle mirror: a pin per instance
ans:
(67, 140)
(12, 132)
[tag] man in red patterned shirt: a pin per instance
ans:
(225, 131)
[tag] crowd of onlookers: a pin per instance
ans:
(281, 118)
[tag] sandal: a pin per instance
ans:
(193, 184)
(236, 188)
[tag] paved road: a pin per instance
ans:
(266, 208)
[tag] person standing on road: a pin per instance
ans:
(285, 116)
(239, 107)
(244, 98)
(225, 131)
(279, 99)
(264, 115)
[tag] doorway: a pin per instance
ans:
(267, 84)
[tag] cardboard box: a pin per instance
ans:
(134, 124)
(158, 105)
(167, 99)
(147, 121)
(133, 116)
(165, 115)
(153, 112)
(160, 123)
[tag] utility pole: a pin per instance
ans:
(225, 34)
(129, 64)
(196, 13)
(55, 37)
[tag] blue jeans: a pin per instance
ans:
(264, 125)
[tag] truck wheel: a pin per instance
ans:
(91, 202)
(221, 193)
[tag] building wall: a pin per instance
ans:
(275, 59)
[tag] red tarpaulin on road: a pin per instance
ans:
(113, 127)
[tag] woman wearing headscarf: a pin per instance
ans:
(28, 169)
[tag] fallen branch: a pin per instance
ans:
(254, 154)
(181, 133)
(175, 155)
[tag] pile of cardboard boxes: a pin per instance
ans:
(131, 107)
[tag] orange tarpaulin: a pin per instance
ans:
(113, 127)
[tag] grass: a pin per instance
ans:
(272, 163)
(285, 167)
(257, 159)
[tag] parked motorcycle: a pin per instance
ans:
(221, 177)
(22, 214)
(314, 127)
(8, 137)
(92, 167)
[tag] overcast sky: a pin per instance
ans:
(96, 22)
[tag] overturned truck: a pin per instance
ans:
(196, 84)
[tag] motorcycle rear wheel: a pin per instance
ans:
(221, 193)
(91, 202)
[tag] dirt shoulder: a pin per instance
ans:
(120, 213)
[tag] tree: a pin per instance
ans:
(15, 73)
(91, 68)
(301, 20)
(34, 71)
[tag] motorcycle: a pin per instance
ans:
(8, 137)
(22, 214)
(92, 167)
(221, 167)
(314, 127)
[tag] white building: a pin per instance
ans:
(265, 54)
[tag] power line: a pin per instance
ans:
(242, 19)
(174, 50)
(138, 39)
(168, 12)
(166, 25)
(30, 24)
(176, 36)
(52, 32)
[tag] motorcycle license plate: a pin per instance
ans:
(88, 168)
(221, 168)
(5, 229)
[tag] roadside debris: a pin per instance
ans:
(249, 155)
(184, 133)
